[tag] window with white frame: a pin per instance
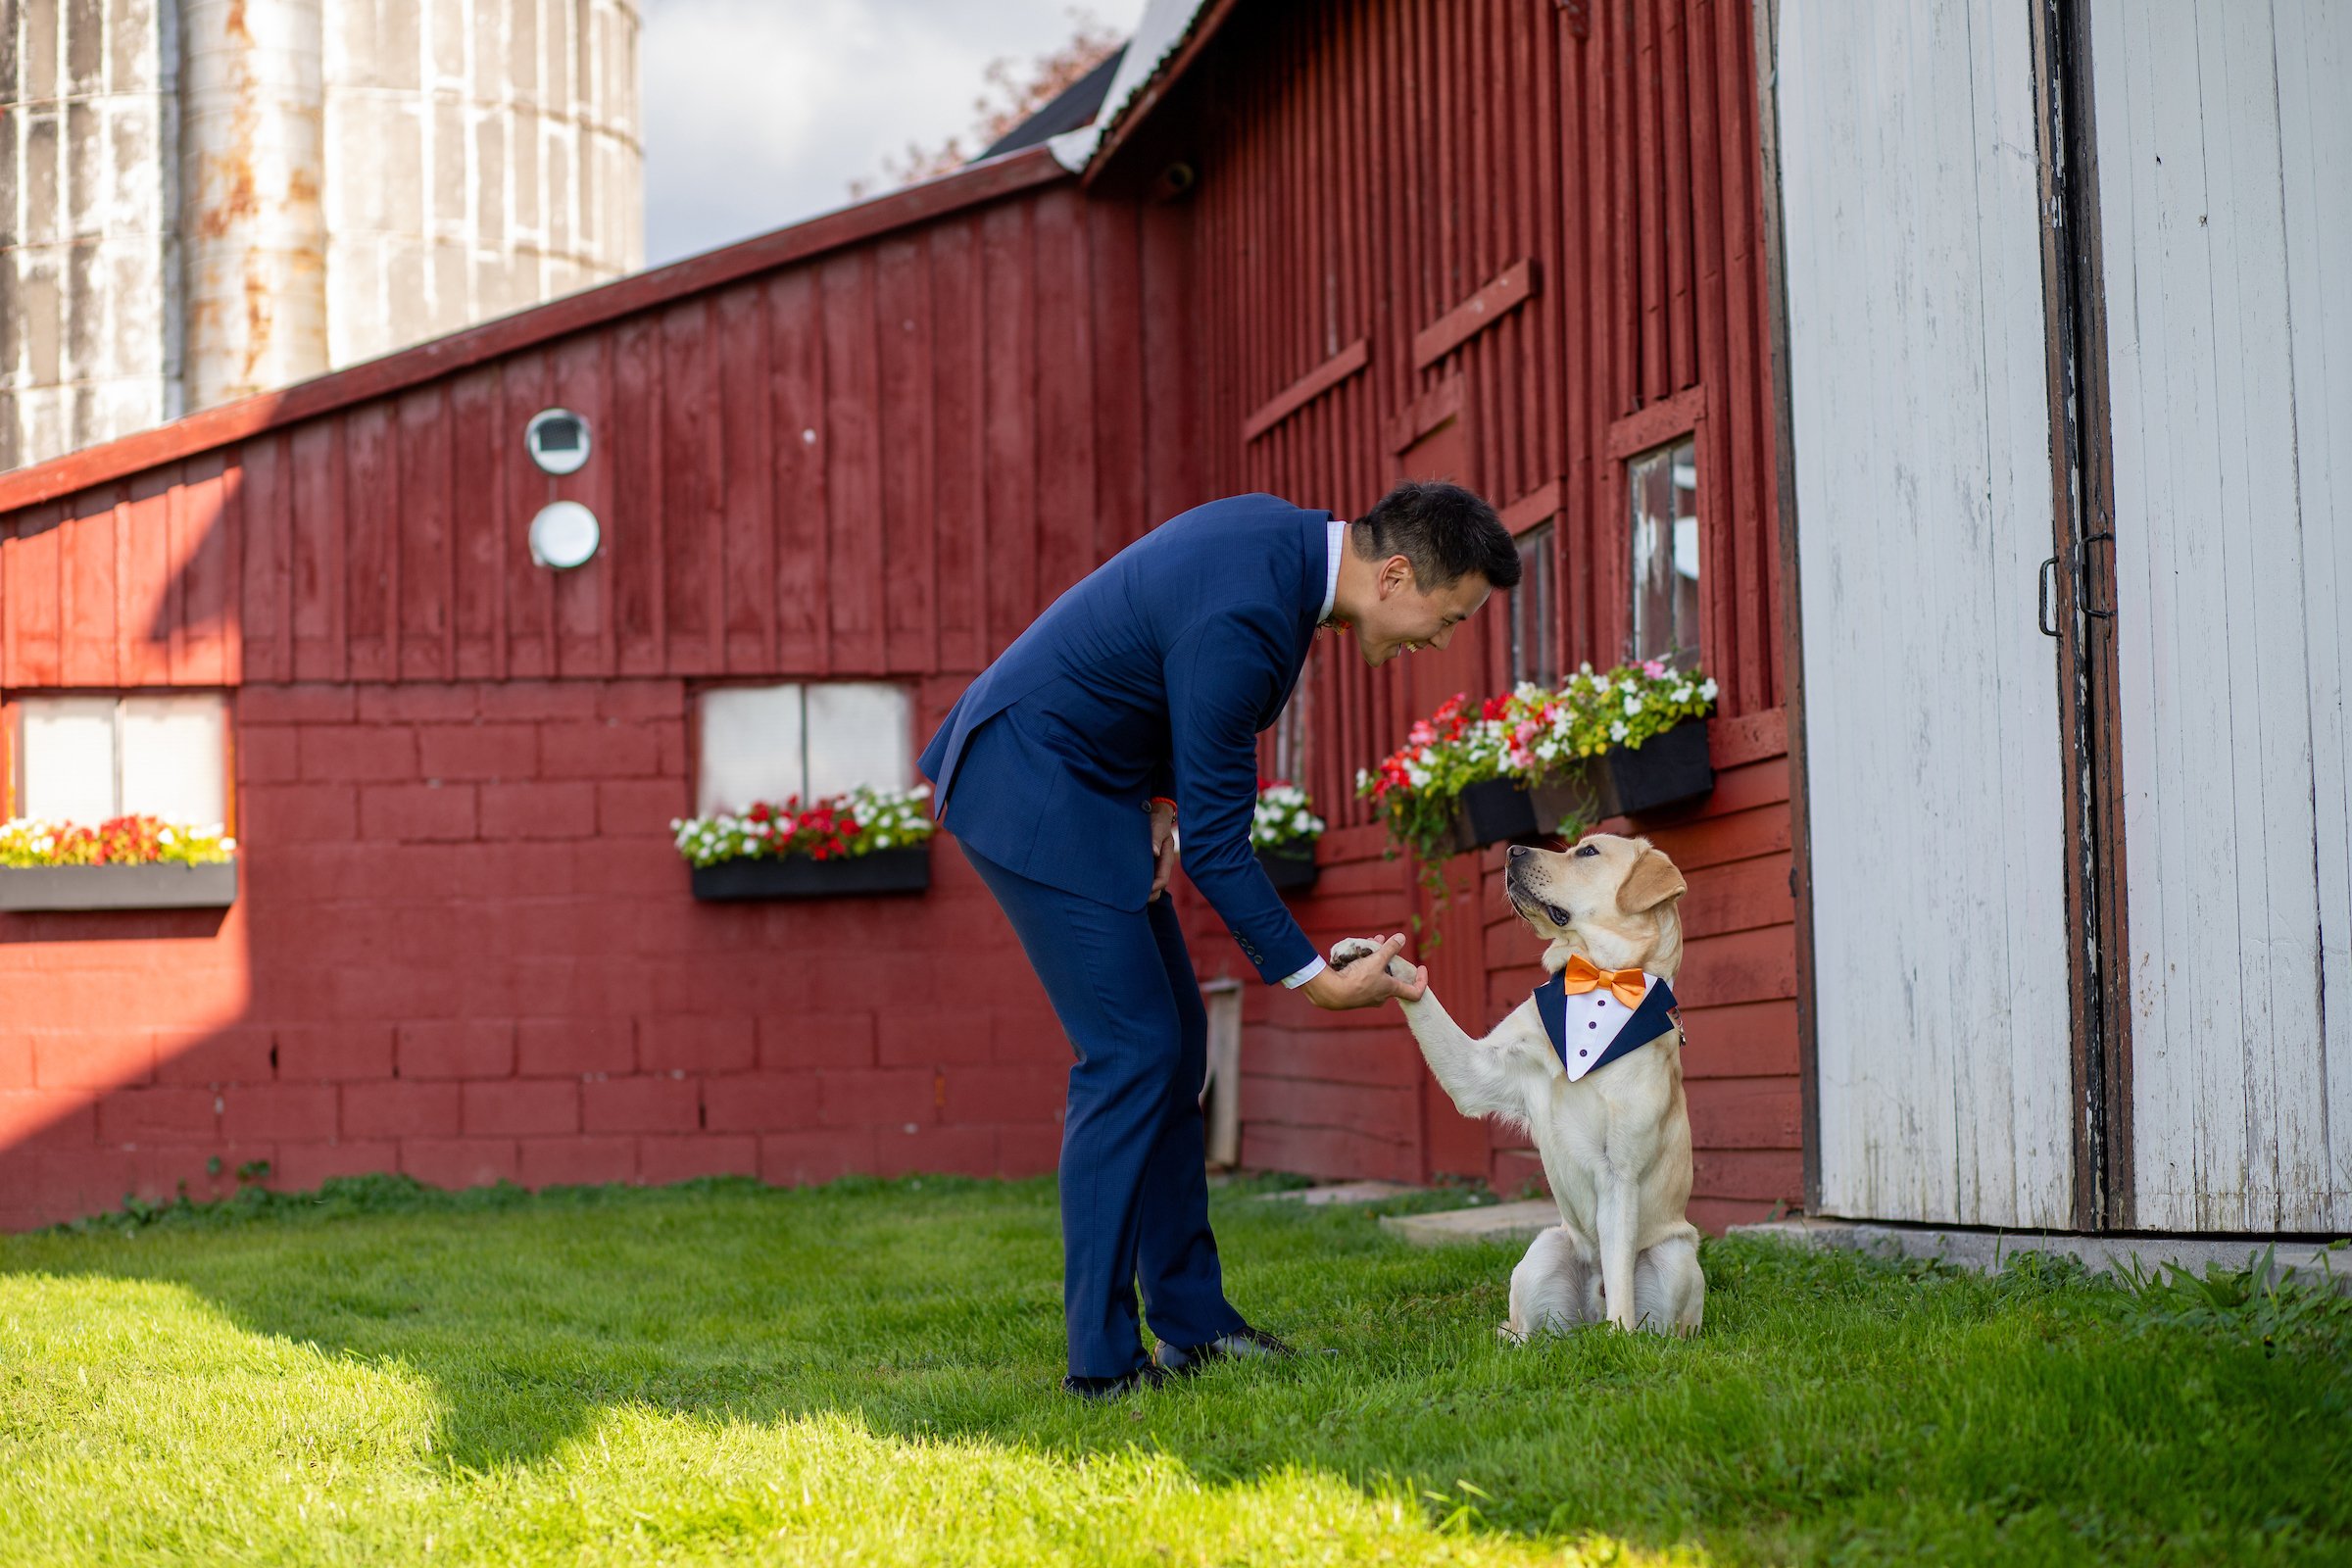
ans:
(84, 758)
(1663, 484)
(1533, 605)
(809, 739)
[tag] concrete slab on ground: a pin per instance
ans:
(1986, 1250)
(1488, 1222)
(1364, 1191)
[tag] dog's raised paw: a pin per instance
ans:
(1347, 950)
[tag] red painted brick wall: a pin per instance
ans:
(463, 949)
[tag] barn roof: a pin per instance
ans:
(1072, 109)
(1171, 35)
(972, 185)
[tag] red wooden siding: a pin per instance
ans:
(882, 462)
(877, 445)
(463, 947)
(1553, 241)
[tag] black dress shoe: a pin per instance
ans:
(1146, 1376)
(1242, 1344)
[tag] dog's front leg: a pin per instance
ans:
(1618, 1217)
(1472, 1073)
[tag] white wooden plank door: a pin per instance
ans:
(2225, 148)
(1935, 769)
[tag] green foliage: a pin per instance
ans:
(29, 840)
(1284, 817)
(842, 826)
(2253, 1305)
(863, 1372)
(1533, 736)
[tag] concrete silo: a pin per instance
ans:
(201, 199)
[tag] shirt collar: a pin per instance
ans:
(1338, 535)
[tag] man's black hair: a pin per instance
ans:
(1445, 530)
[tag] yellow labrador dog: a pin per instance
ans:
(1591, 1067)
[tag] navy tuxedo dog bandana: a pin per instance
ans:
(1591, 1028)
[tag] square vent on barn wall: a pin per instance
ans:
(812, 740)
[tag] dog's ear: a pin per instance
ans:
(1652, 882)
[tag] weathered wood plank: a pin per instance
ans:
(2314, 57)
(747, 584)
(796, 372)
(1916, 360)
(2229, 614)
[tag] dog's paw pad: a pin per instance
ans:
(1347, 950)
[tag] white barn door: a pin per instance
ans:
(2225, 183)
(1935, 765)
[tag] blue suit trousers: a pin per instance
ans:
(1133, 1193)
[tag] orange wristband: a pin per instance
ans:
(1162, 799)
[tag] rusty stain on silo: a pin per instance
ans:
(265, 251)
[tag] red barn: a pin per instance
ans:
(839, 467)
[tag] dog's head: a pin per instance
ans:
(1611, 899)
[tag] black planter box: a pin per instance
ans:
(1669, 769)
(27, 888)
(907, 870)
(1287, 870)
(1494, 810)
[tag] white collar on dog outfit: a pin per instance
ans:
(1593, 1015)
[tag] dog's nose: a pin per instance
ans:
(1518, 850)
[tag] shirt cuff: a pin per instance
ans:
(1315, 967)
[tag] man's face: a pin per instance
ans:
(1403, 617)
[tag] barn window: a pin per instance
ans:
(1289, 762)
(85, 759)
(764, 743)
(1534, 602)
(1664, 486)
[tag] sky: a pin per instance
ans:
(759, 113)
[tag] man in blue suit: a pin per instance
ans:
(1136, 697)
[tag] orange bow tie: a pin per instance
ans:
(1581, 975)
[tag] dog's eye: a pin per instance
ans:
(1587, 848)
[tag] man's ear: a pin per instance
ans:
(1652, 882)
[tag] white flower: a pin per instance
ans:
(1633, 705)
(1708, 690)
(1617, 730)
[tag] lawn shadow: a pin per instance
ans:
(926, 1308)
(929, 1310)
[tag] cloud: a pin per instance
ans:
(759, 113)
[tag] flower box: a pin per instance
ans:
(1627, 740)
(1494, 810)
(159, 886)
(1669, 768)
(901, 870)
(1501, 810)
(1287, 869)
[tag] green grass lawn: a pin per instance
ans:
(863, 1373)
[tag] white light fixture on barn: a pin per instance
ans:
(563, 535)
(557, 440)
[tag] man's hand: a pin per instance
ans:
(1365, 980)
(1163, 848)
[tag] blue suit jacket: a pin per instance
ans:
(1151, 676)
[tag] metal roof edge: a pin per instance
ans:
(1166, 41)
(403, 368)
